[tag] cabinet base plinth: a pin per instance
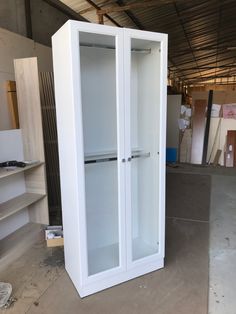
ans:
(114, 280)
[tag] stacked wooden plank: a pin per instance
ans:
(12, 103)
(219, 146)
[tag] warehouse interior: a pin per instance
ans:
(199, 135)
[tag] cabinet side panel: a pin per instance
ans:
(162, 144)
(67, 144)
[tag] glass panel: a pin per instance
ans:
(144, 144)
(98, 84)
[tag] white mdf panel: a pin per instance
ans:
(11, 140)
(114, 117)
(70, 139)
(29, 106)
(14, 46)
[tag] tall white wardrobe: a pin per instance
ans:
(110, 86)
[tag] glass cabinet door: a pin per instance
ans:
(98, 68)
(144, 103)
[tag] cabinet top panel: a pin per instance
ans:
(93, 39)
(111, 30)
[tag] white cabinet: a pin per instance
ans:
(110, 86)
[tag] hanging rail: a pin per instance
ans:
(148, 50)
(104, 158)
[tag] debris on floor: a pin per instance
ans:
(54, 258)
(5, 295)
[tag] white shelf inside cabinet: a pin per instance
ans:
(142, 249)
(18, 203)
(104, 258)
(9, 172)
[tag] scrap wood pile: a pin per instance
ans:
(208, 131)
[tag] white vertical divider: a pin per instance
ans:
(127, 89)
(120, 102)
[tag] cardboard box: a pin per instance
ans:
(55, 242)
(54, 236)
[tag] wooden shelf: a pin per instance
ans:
(15, 244)
(18, 203)
(9, 172)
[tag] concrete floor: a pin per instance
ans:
(40, 281)
(222, 298)
(222, 250)
(41, 284)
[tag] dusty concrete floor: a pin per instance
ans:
(42, 286)
(31, 275)
(222, 298)
(222, 235)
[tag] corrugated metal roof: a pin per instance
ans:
(202, 40)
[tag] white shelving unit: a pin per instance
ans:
(110, 86)
(23, 193)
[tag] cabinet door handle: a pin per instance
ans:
(123, 159)
(130, 158)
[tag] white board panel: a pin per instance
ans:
(11, 145)
(14, 46)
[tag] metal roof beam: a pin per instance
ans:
(65, 9)
(132, 17)
(186, 36)
(106, 15)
